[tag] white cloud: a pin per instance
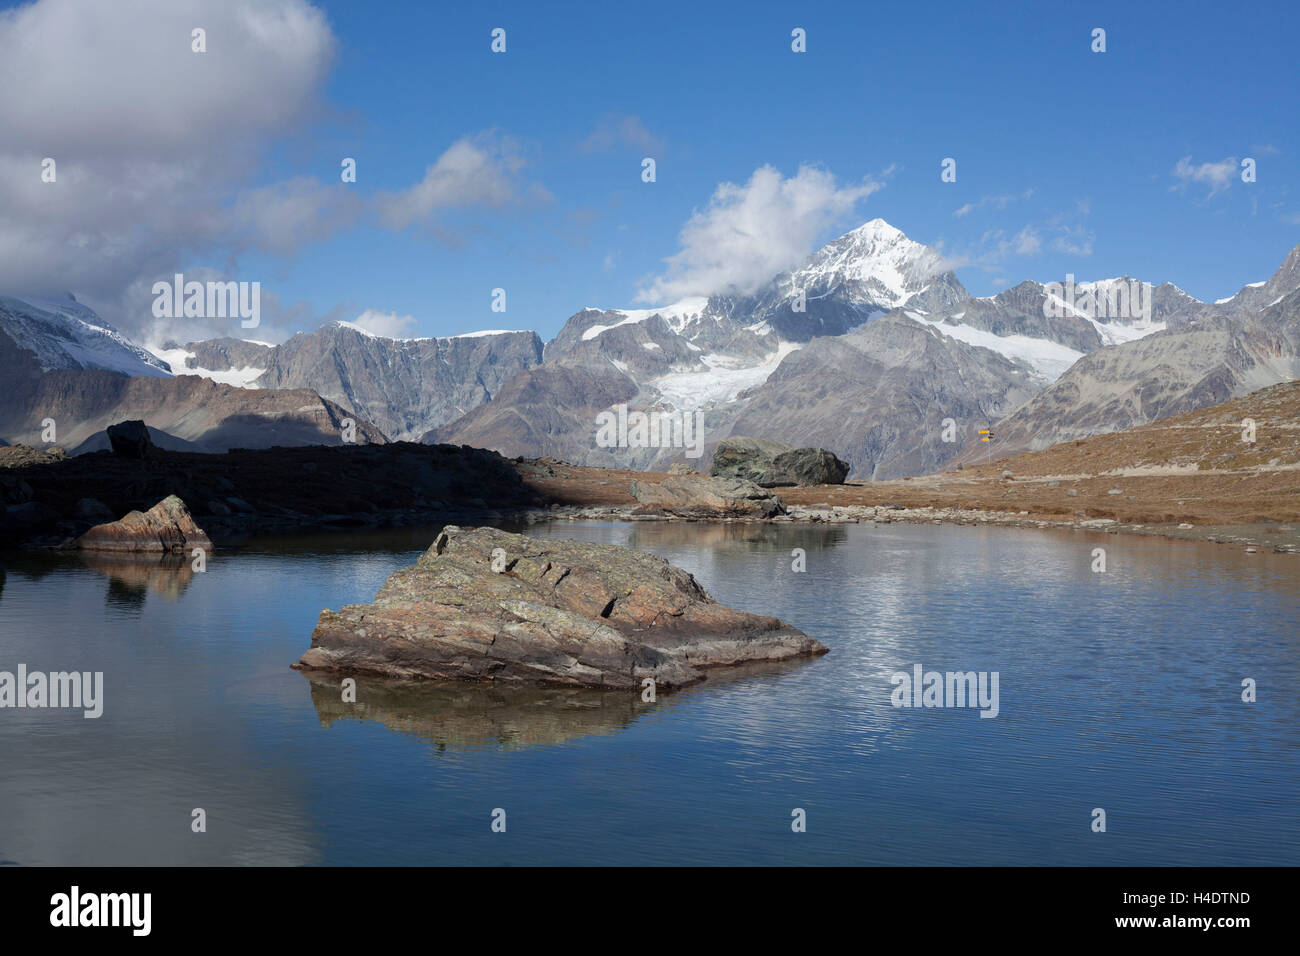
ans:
(151, 140)
(279, 319)
(749, 233)
(158, 150)
(991, 202)
(995, 246)
(121, 78)
(1026, 242)
(1074, 240)
(281, 217)
(1218, 176)
(477, 170)
(388, 324)
(614, 131)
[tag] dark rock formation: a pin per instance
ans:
(747, 458)
(130, 439)
(91, 509)
(568, 613)
(771, 464)
(167, 526)
(808, 466)
(259, 491)
(30, 516)
(701, 497)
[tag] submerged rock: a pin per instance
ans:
(167, 526)
(569, 613)
(702, 497)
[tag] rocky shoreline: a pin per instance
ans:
(1251, 537)
(49, 500)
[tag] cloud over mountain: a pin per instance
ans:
(747, 233)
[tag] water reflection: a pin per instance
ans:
(477, 715)
(131, 577)
(1119, 689)
(460, 714)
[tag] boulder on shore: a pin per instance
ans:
(167, 526)
(705, 497)
(130, 439)
(483, 604)
(772, 464)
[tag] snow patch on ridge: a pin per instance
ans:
(1049, 359)
(723, 381)
(676, 315)
(426, 338)
(239, 377)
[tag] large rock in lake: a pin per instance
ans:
(772, 464)
(703, 497)
(167, 526)
(557, 612)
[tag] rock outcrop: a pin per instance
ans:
(483, 604)
(773, 464)
(130, 439)
(167, 526)
(747, 458)
(701, 497)
(259, 491)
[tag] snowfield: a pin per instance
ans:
(239, 377)
(724, 380)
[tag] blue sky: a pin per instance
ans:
(1068, 161)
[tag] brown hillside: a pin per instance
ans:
(1189, 468)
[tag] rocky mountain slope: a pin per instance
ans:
(888, 345)
(870, 348)
(702, 355)
(64, 334)
(60, 361)
(1207, 355)
(200, 415)
(879, 396)
(405, 386)
(1044, 363)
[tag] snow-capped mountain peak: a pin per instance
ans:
(64, 334)
(884, 264)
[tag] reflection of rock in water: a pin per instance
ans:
(646, 535)
(130, 576)
(458, 714)
(468, 715)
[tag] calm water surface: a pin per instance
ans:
(1119, 690)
